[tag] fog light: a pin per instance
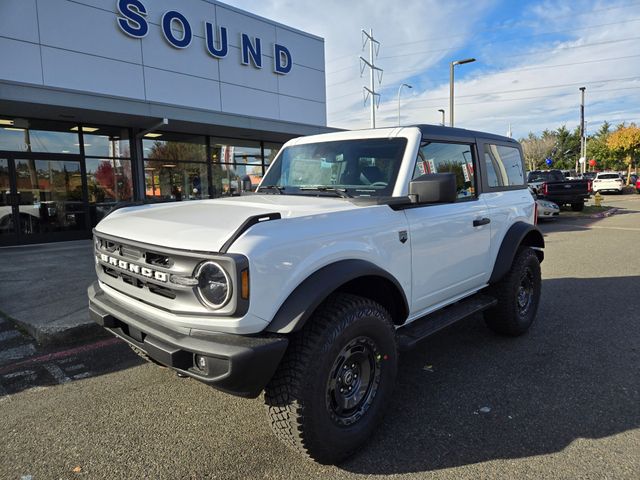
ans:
(201, 362)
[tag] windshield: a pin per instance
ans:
(363, 167)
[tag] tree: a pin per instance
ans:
(598, 150)
(536, 150)
(625, 141)
(568, 147)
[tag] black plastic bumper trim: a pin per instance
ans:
(241, 365)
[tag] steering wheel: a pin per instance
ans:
(378, 184)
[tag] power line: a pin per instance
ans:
(412, 105)
(527, 54)
(524, 69)
(494, 28)
(531, 89)
(539, 34)
(547, 87)
(536, 97)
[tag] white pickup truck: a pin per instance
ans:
(356, 245)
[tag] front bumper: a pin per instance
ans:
(238, 364)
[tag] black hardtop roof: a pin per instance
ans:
(439, 130)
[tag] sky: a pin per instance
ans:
(531, 59)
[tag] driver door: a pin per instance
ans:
(449, 242)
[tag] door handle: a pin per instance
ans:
(481, 221)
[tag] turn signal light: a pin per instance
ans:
(244, 284)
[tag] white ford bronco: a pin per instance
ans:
(355, 246)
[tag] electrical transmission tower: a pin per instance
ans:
(374, 49)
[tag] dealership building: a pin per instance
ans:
(106, 101)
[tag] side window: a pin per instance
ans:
(455, 158)
(503, 166)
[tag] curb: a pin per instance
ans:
(608, 213)
(61, 335)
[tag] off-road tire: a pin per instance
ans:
(577, 207)
(518, 294)
(300, 400)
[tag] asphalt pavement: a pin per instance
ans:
(43, 289)
(562, 401)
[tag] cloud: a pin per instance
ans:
(530, 64)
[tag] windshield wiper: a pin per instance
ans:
(341, 192)
(275, 188)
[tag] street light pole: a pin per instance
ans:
(441, 110)
(583, 152)
(399, 89)
(451, 65)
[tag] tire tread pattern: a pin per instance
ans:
(283, 395)
(503, 318)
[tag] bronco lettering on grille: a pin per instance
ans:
(133, 268)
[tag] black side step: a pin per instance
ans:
(423, 327)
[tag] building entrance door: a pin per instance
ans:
(42, 199)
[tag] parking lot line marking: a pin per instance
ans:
(73, 368)
(56, 372)
(58, 355)
(19, 374)
(17, 353)
(8, 335)
(629, 229)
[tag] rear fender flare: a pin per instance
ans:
(520, 234)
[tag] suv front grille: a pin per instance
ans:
(145, 272)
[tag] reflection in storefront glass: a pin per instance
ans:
(6, 213)
(192, 150)
(270, 152)
(49, 195)
(109, 180)
(166, 180)
(30, 140)
(106, 142)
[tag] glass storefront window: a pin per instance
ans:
(166, 180)
(236, 151)
(50, 195)
(109, 180)
(106, 142)
(32, 140)
(228, 179)
(270, 152)
(175, 147)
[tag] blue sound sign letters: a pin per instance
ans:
(133, 22)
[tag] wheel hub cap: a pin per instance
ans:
(353, 381)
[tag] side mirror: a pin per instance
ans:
(433, 188)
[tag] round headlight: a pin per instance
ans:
(213, 285)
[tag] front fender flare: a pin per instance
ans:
(303, 301)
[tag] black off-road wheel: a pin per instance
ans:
(518, 295)
(577, 207)
(336, 379)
